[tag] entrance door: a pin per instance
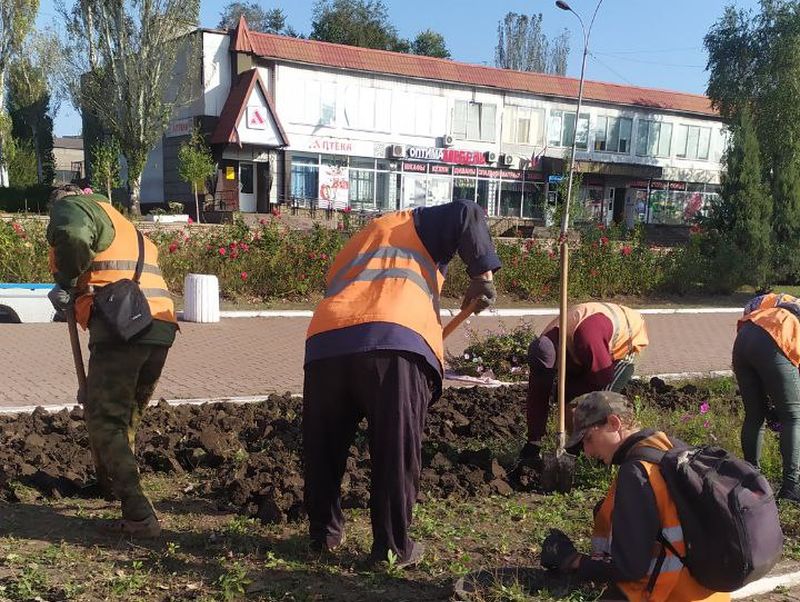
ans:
(247, 187)
(619, 205)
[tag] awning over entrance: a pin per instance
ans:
(249, 116)
(553, 165)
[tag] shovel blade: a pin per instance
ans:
(558, 473)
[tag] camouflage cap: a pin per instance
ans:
(593, 409)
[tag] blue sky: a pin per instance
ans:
(653, 43)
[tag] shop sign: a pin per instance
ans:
(446, 155)
(487, 173)
(464, 171)
(554, 179)
(445, 170)
(180, 127)
(639, 184)
(256, 118)
(667, 185)
(334, 186)
(230, 172)
(415, 167)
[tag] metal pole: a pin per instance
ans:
(564, 245)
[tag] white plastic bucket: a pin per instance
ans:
(200, 298)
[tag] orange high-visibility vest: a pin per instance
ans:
(782, 323)
(674, 583)
(384, 274)
(118, 261)
(629, 332)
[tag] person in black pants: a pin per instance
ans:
(374, 349)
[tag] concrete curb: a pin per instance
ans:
(767, 584)
(497, 313)
(256, 398)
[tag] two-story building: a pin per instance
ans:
(328, 125)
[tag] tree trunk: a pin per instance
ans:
(196, 202)
(135, 191)
(3, 171)
(108, 188)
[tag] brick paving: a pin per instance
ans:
(255, 356)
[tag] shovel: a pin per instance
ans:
(103, 481)
(558, 469)
(458, 319)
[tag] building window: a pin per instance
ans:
(692, 142)
(305, 177)
(474, 121)
(315, 107)
(523, 125)
(562, 126)
(653, 139)
(613, 134)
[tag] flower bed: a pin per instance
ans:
(271, 261)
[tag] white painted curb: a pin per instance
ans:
(766, 584)
(521, 312)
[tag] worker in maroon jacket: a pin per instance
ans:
(603, 340)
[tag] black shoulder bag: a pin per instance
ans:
(122, 304)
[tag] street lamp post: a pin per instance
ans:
(564, 245)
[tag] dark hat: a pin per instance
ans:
(593, 409)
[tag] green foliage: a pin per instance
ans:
(25, 199)
(21, 157)
(196, 165)
(233, 584)
(430, 43)
(105, 166)
(754, 65)
(258, 18)
(522, 45)
(741, 215)
(23, 252)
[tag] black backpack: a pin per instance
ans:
(727, 511)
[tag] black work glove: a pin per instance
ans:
(482, 291)
(61, 299)
(558, 553)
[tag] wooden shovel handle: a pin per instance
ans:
(460, 317)
(77, 354)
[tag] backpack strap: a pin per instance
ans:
(654, 456)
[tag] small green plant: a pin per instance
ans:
(240, 525)
(233, 583)
(196, 165)
(393, 569)
(175, 207)
(31, 583)
(128, 582)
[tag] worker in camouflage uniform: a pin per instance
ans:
(92, 245)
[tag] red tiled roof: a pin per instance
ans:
(408, 65)
(226, 132)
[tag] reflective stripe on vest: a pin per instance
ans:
(384, 274)
(118, 261)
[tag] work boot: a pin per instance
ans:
(317, 546)
(790, 493)
(530, 456)
(147, 528)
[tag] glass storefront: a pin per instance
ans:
(369, 184)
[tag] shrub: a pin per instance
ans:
(32, 199)
(23, 251)
(502, 355)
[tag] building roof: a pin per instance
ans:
(75, 142)
(226, 132)
(339, 56)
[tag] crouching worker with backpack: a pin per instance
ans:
(677, 524)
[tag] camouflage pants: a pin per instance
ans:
(120, 382)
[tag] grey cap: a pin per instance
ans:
(594, 408)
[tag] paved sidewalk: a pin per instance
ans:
(256, 356)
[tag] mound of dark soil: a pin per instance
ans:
(248, 456)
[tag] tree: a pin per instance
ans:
(522, 45)
(21, 163)
(196, 165)
(742, 215)
(16, 20)
(754, 65)
(362, 23)
(105, 166)
(144, 64)
(258, 19)
(430, 43)
(31, 77)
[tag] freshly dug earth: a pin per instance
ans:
(247, 457)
